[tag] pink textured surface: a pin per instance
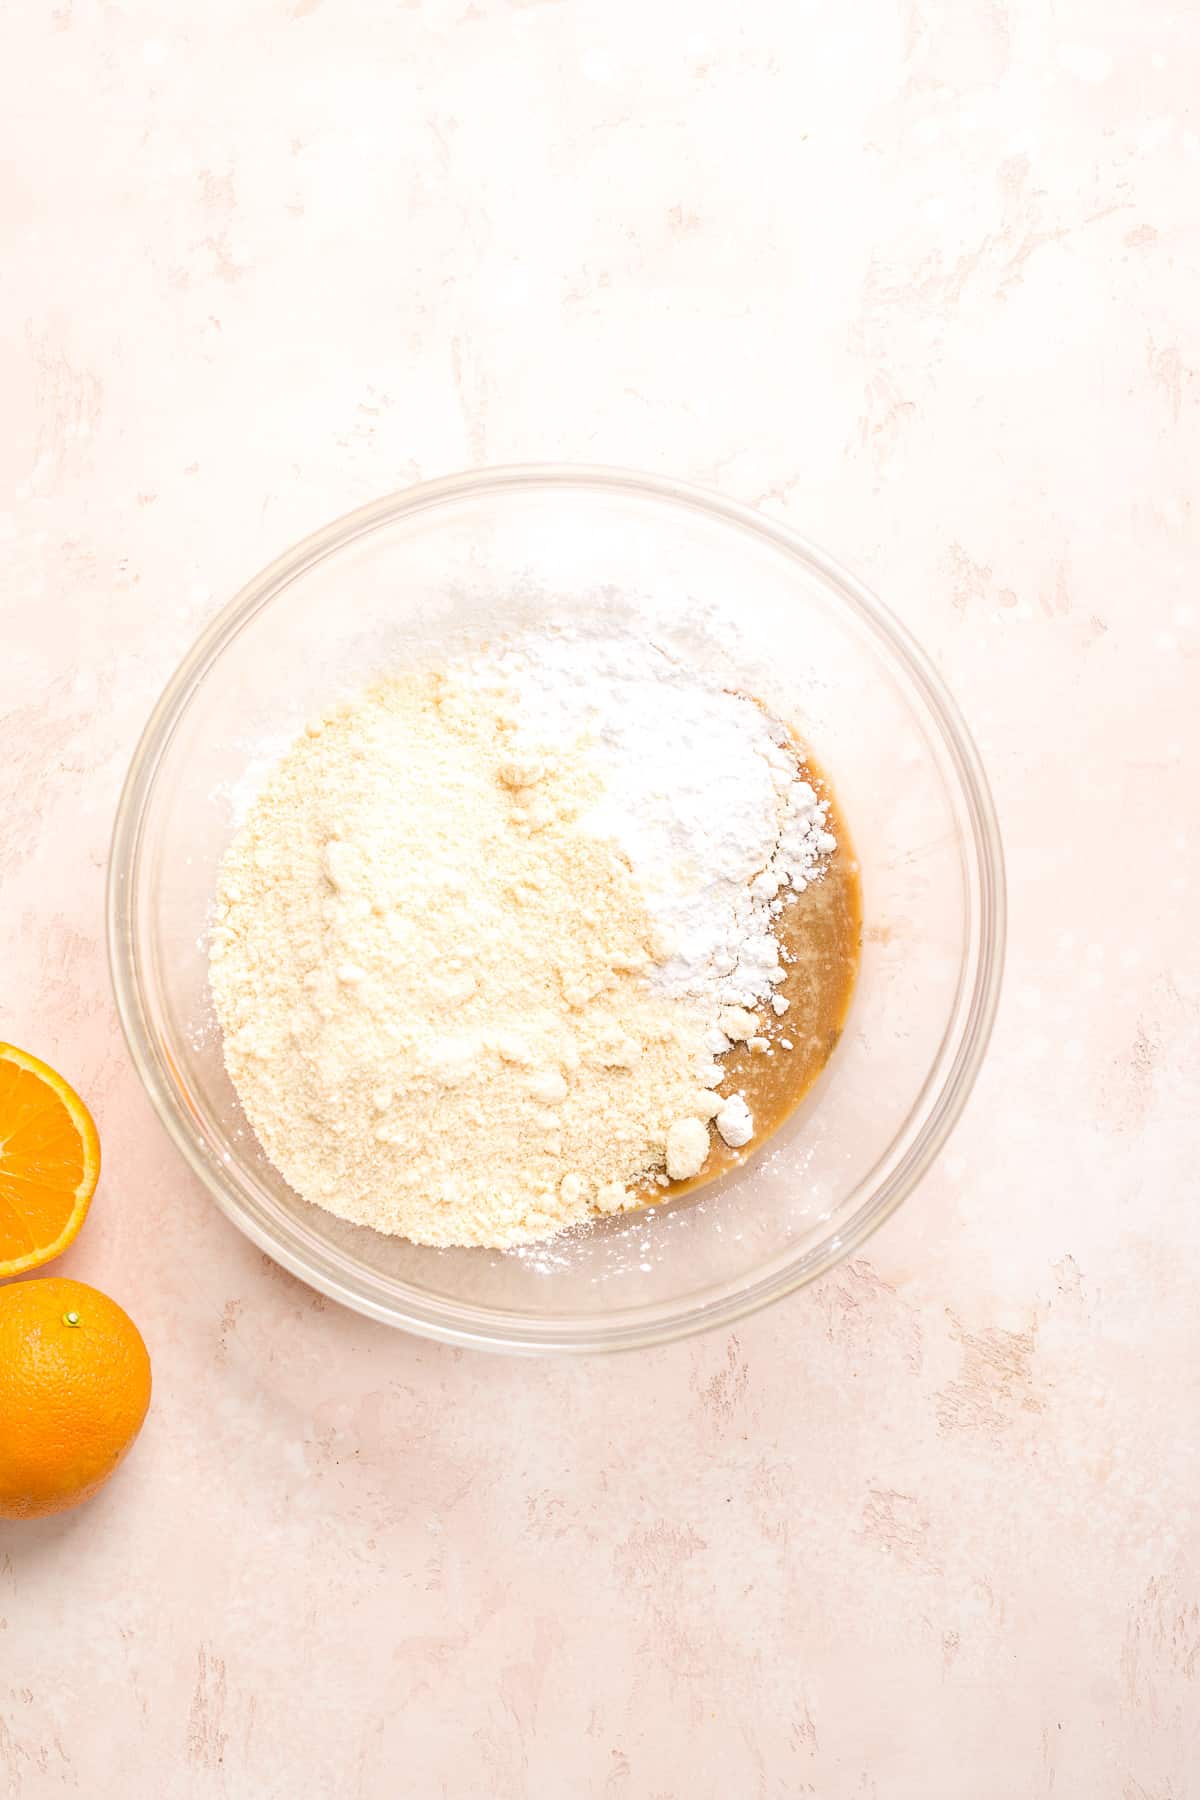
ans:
(924, 283)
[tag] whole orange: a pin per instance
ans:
(74, 1389)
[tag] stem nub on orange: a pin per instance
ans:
(74, 1390)
(49, 1162)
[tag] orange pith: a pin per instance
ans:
(49, 1162)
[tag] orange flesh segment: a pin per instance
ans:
(49, 1161)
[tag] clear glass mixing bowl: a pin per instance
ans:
(445, 566)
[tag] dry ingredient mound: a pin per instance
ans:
(484, 935)
(433, 985)
(700, 789)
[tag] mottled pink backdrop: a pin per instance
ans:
(923, 280)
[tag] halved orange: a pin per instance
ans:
(49, 1162)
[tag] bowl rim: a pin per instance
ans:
(516, 1332)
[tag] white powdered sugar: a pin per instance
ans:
(701, 791)
(734, 1122)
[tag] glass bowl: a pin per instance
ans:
(448, 565)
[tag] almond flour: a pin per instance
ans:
(484, 936)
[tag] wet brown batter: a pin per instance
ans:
(820, 935)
